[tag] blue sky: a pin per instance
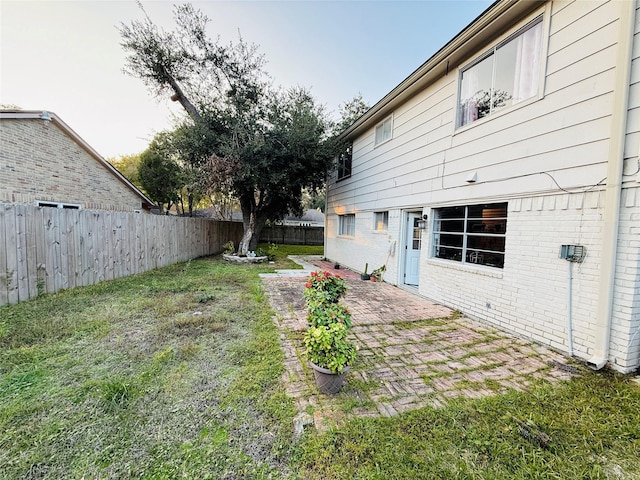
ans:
(64, 56)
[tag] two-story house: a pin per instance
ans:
(502, 178)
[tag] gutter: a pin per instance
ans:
(613, 190)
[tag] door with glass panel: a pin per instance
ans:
(413, 245)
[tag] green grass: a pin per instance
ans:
(176, 373)
(592, 421)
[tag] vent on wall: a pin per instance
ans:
(572, 253)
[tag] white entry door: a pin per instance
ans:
(413, 244)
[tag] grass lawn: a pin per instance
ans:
(175, 373)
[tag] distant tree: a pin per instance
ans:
(261, 145)
(160, 177)
(349, 112)
(128, 165)
(314, 199)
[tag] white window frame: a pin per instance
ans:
(470, 255)
(380, 127)
(70, 206)
(381, 219)
(539, 17)
(347, 225)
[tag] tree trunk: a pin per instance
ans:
(253, 223)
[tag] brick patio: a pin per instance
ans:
(412, 352)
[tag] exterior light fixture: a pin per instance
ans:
(422, 224)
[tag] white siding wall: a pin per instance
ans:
(532, 156)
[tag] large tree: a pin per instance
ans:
(160, 177)
(262, 145)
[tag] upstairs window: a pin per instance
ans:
(471, 234)
(507, 75)
(384, 130)
(344, 162)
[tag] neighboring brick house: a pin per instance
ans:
(44, 162)
(518, 137)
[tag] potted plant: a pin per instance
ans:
(328, 350)
(376, 275)
(330, 355)
(324, 287)
(365, 275)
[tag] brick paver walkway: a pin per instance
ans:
(412, 352)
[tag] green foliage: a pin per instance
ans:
(324, 287)
(160, 176)
(322, 313)
(128, 165)
(379, 272)
(248, 140)
(270, 251)
(327, 346)
(329, 322)
(591, 421)
(349, 112)
(229, 247)
(122, 380)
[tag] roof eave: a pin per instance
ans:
(487, 25)
(147, 203)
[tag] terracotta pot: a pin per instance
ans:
(327, 381)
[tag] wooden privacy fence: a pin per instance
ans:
(49, 249)
(292, 235)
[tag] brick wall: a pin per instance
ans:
(529, 296)
(625, 336)
(38, 161)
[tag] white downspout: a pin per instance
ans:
(613, 191)
(569, 308)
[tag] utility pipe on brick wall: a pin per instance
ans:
(613, 191)
(569, 308)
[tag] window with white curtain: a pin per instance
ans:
(347, 225)
(380, 221)
(505, 76)
(384, 130)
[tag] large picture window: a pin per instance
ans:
(471, 234)
(507, 75)
(347, 225)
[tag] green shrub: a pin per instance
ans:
(328, 347)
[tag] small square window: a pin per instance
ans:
(384, 131)
(347, 225)
(380, 221)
